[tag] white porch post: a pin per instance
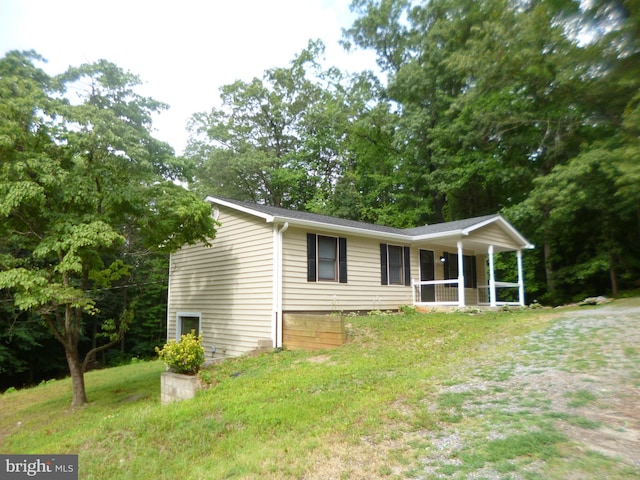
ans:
(520, 278)
(492, 279)
(460, 276)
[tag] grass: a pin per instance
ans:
(580, 398)
(354, 412)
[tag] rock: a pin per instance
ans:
(594, 301)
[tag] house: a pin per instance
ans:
(267, 261)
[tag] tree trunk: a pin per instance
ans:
(77, 377)
(73, 320)
(548, 269)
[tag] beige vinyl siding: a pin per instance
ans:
(493, 234)
(363, 290)
(230, 284)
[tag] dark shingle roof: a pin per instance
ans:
(436, 228)
(454, 226)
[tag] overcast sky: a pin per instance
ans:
(182, 50)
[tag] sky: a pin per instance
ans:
(183, 51)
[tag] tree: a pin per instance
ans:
(506, 106)
(83, 180)
(277, 139)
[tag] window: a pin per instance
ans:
(187, 322)
(326, 258)
(395, 265)
(468, 269)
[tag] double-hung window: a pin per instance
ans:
(395, 265)
(326, 258)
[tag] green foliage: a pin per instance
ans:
(185, 356)
(408, 309)
(85, 191)
(503, 106)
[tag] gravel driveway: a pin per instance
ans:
(574, 388)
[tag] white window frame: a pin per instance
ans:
(389, 282)
(180, 315)
(335, 262)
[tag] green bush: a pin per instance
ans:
(185, 356)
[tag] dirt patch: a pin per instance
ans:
(320, 359)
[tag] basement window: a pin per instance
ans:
(187, 322)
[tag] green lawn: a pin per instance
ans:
(288, 414)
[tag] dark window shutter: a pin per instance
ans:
(311, 257)
(383, 264)
(475, 272)
(471, 272)
(342, 260)
(407, 266)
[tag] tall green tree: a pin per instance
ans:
(276, 139)
(81, 181)
(498, 103)
(486, 95)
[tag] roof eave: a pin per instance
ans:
(342, 229)
(401, 237)
(452, 234)
(213, 200)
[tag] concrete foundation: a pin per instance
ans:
(175, 387)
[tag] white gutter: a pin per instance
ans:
(342, 229)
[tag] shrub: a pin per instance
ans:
(185, 356)
(408, 309)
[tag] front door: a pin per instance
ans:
(427, 273)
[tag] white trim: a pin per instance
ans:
(250, 211)
(169, 294)
(276, 330)
(520, 278)
(341, 229)
(400, 237)
(187, 314)
(274, 286)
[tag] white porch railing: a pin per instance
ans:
(435, 292)
(506, 294)
(445, 292)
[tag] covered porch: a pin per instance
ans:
(457, 268)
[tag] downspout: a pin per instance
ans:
(169, 293)
(277, 285)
